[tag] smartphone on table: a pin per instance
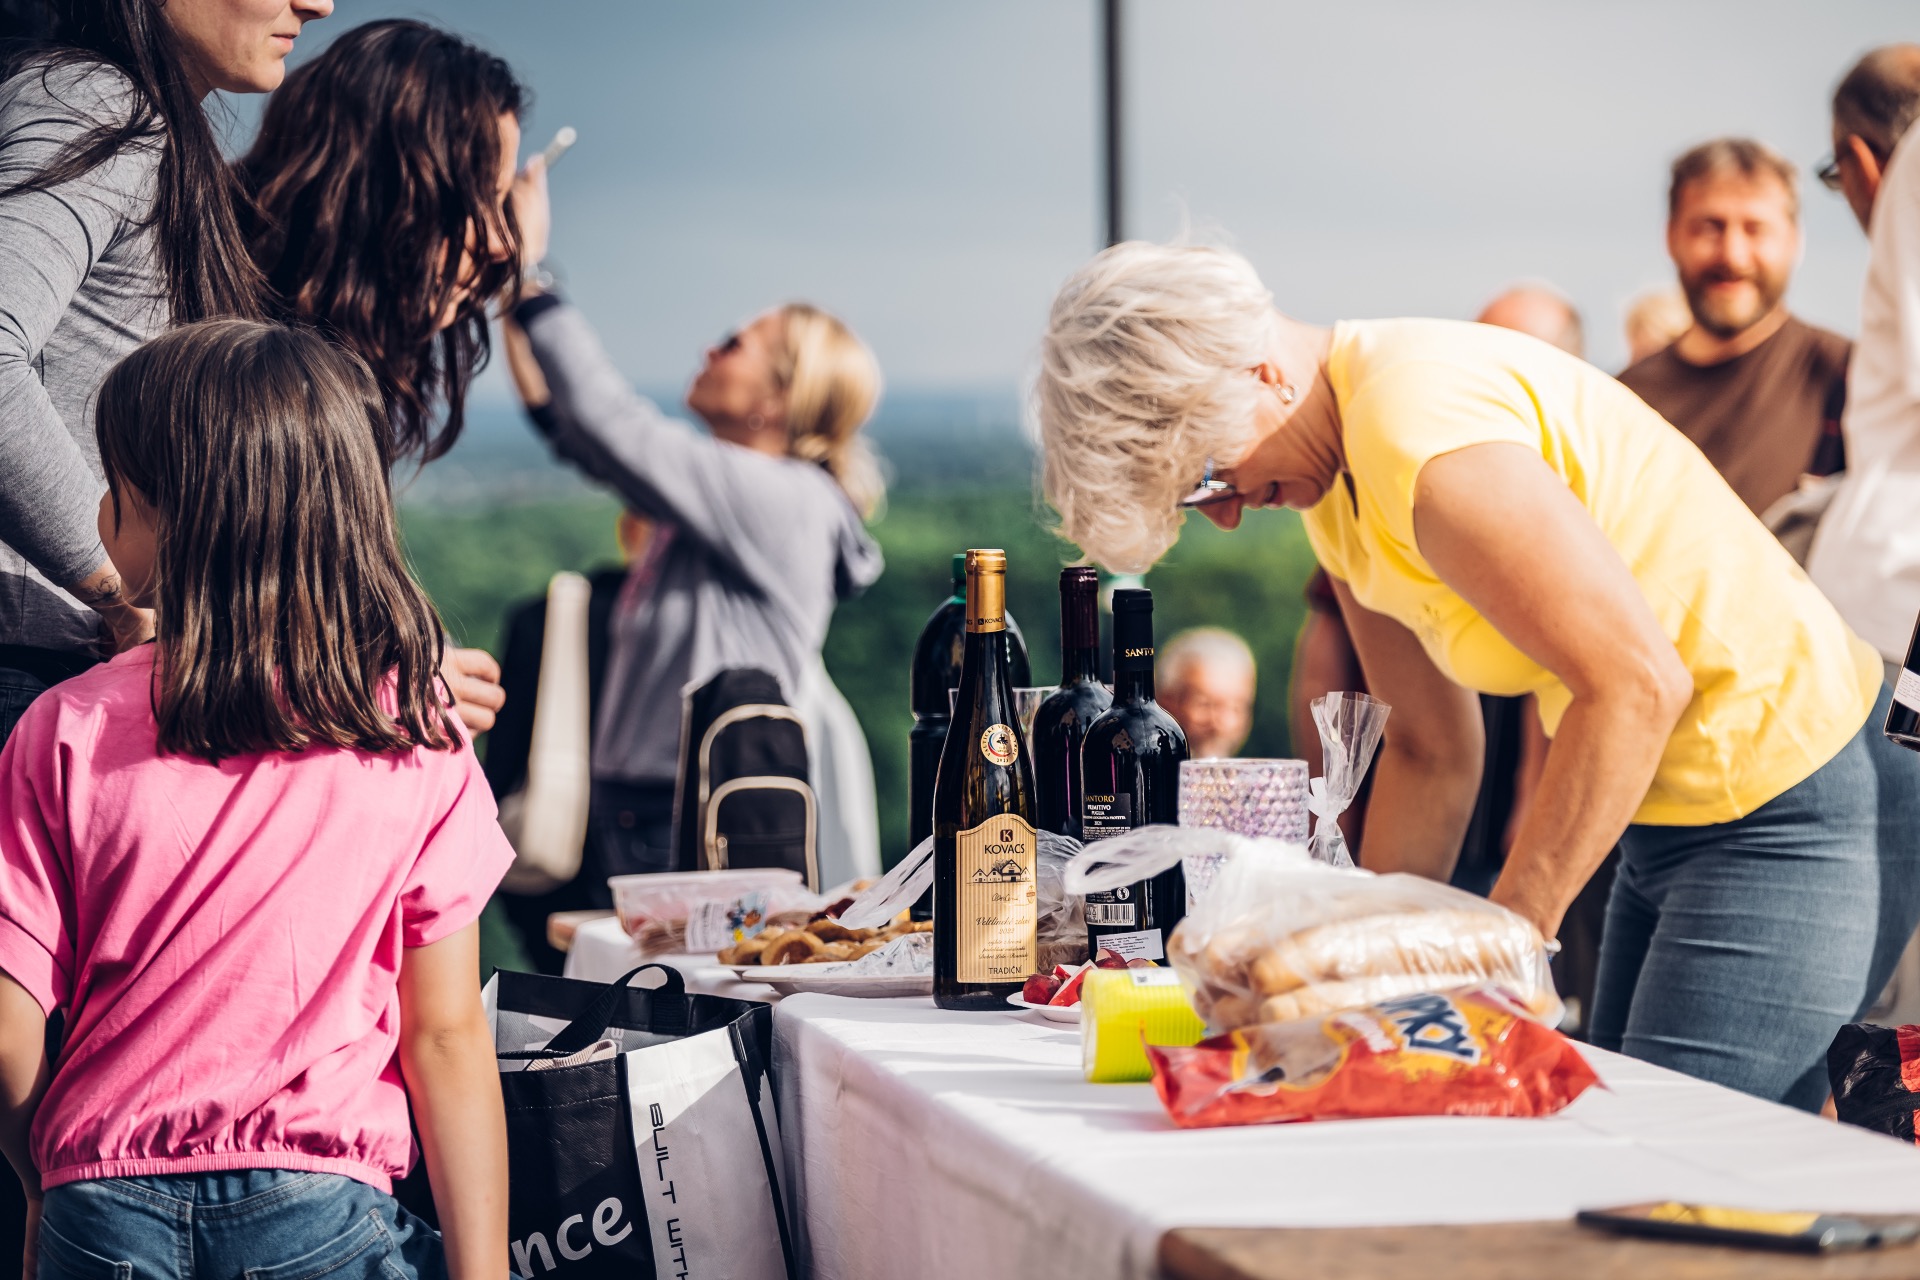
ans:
(1753, 1229)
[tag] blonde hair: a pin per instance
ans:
(1144, 375)
(1655, 321)
(832, 383)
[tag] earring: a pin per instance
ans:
(1287, 393)
(755, 422)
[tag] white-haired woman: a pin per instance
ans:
(1500, 517)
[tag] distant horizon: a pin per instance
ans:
(929, 172)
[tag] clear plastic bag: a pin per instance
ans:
(1062, 927)
(1280, 936)
(1350, 726)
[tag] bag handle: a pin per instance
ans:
(592, 1024)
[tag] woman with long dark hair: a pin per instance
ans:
(378, 212)
(379, 183)
(116, 220)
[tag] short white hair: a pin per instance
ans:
(1144, 375)
(1205, 647)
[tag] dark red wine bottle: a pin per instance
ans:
(1130, 769)
(1903, 717)
(1061, 723)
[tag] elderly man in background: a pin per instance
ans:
(1206, 683)
(1758, 390)
(1866, 555)
(1539, 310)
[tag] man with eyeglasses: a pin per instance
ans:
(1866, 554)
(1759, 390)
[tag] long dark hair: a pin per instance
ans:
(286, 616)
(376, 168)
(196, 232)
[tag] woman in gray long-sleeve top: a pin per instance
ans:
(759, 524)
(116, 218)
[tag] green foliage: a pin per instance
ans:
(477, 561)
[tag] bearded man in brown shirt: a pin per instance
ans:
(1757, 389)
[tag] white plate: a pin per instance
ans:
(835, 979)
(1051, 1012)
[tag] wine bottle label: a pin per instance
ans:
(1146, 944)
(1109, 915)
(1906, 690)
(996, 744)
(1103, 816)
(998, 908)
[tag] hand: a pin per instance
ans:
(533, 213)
(30, 1261)
(474, 678)
(122, 626)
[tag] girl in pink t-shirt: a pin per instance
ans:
(247, 860)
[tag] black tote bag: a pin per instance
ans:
(659, 1159)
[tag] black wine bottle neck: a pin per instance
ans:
(1133, 684)
(1132, 646)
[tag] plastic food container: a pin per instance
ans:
(677, 896)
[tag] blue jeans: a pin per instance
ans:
(1734, 952)
(261, 1224)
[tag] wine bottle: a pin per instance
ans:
(1903, 717)
(935, 673)
(985, 891)
(1060, 725)
(1130, 768)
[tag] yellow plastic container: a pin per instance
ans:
(1117, 1006)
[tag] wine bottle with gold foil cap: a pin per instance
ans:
(985, 890)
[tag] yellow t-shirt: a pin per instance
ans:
(1780, 684)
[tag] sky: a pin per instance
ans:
(928, 169)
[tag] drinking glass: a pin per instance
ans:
(1246, 797)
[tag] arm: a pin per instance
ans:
(49, 242)
(1601, 640)
(24, 1073)
(453, 1084)
(1428, 774)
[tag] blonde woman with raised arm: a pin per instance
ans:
(759, 533)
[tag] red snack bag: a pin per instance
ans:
(1468, 1052)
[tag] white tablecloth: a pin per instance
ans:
(932, 1144)
(602, 951)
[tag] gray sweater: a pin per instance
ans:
(79, 288)
(760, 551)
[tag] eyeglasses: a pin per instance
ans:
(1829, 172)
(1209, 491)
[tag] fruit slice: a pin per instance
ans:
(1040, 988)
(1069, 992)
(1106, 959)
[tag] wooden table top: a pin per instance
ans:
(1497, 1251)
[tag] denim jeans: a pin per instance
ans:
(18, 689)
(1734, 952)
(262, 1224)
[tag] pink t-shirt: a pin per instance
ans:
(226, 937)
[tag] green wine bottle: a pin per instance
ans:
(985, 891)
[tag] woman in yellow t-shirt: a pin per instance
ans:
(1500, 517)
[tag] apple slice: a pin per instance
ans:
(1069, 992)
(1106, 959)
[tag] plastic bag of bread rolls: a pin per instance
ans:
(1279, 937)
